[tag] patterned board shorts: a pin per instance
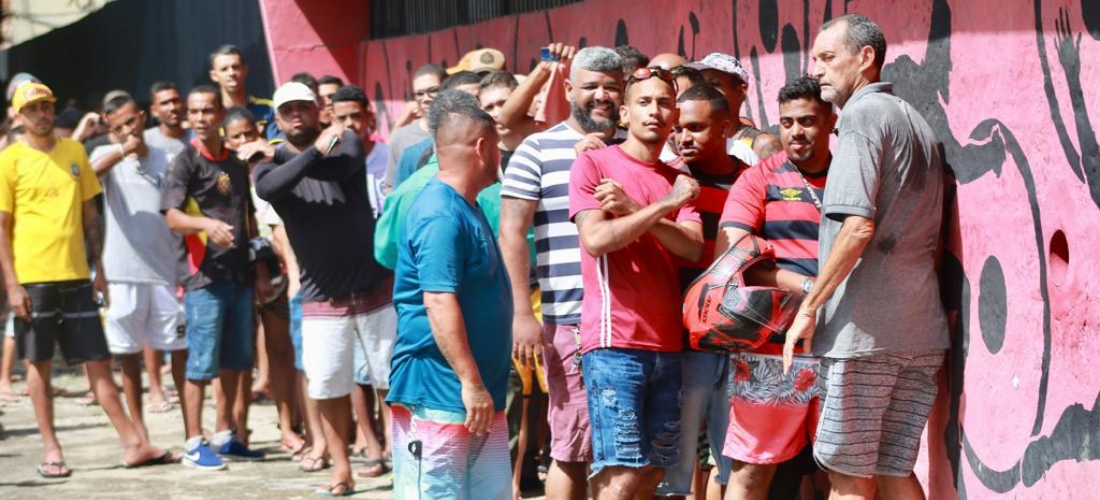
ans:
(436, 457)
(772, 415)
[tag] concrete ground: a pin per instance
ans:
(92, 452)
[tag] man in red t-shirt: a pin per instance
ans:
(773, 415)
(633, 213)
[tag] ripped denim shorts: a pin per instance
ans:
(634, 407)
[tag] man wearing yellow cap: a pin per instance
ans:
(48, 186)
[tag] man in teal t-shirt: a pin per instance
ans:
(454, 307)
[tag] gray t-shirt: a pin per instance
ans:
(887, 166)
(139, 247)
(402, 138)
(156, 139)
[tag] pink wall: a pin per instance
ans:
(1018, 415)
(319, 36)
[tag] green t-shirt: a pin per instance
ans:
(387, 232)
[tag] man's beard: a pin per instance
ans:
(303, 139)
(584, 117)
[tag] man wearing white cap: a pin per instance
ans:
(725, 73)
(317, 183)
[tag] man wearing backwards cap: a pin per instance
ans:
(47, 185)
(317, 183)
(725, 73)
(479, 61)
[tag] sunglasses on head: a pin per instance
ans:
(642, 74)
(647, 73)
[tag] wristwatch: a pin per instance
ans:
(807, 286)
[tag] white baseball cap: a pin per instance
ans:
(293, 91)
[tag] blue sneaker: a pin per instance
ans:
(203, 458)
(235, 450)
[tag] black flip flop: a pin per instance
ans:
(165, 459)
(381, 463)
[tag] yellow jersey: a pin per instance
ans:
(44, 193)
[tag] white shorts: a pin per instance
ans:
(142, 314)
(327, 356)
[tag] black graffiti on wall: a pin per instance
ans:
(986, 151)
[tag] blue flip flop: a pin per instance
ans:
(328, 490)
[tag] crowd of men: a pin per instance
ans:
(509, 238)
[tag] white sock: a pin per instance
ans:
(220, 438)
(193, 443)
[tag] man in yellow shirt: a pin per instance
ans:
(47, 215)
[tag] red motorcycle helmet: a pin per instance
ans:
(723, 313)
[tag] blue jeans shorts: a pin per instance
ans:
(362, 370)
(634, 407)
(296, 330)
(220, 323)
(705, 400)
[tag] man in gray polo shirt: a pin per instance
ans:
(880, 326)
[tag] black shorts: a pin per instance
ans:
(279, 306)
(62, 312)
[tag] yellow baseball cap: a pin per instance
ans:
(30, 92)
(478, 61)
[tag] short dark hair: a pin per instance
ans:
(630, 83)
(694, 76)
(805, 87)
(461, 78)
(452, 105)
(632, 58)
(330, 80)
(208, 89)
(237, 113)
(305, 78)
(161, 86)
(226, 50)
(349, 93)
(704, 92)
(860, 31)
(116, 103)
(68, 118)
(431, 69)
(499, 79)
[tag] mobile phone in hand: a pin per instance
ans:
(332, 143)
(546, 56)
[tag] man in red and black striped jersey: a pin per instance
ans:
(706, 119)
(772, 415)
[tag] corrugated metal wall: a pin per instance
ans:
(391, 18)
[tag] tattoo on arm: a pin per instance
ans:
(445, 347)
(93, 235)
